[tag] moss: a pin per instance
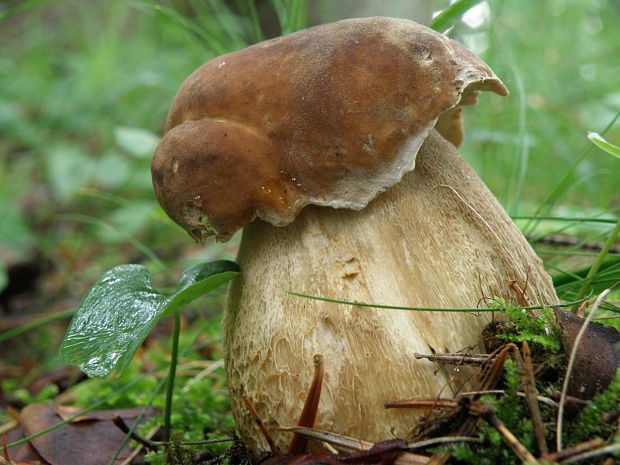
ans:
(538, 328)
(589, 423)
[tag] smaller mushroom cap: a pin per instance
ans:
(332, 115)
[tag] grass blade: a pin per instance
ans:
(597, 263)
(602, 144)
(565, 183)
(424, 309)
(444, 20)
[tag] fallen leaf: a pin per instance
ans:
(78, 443)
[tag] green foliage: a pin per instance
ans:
(110, 388)
(538, 328)
(16, 238)
(201, 405)
(122, 308)
(20, 394)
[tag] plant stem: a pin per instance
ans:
(174, 352)
(597, 264)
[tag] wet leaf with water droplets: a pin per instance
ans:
(122, 308)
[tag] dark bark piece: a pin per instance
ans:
(597, 357)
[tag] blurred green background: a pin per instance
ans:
(85, 87)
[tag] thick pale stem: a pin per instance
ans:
(437, 239)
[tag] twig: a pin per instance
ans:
(8, 426)
(572, 451)
(610, 449)
(500, 392)
(138, 449)
(5, 448)
(569, 241)
(456, 359)
(578, 403)
(441, 440)
(343, 443)
(529, 387)
(491, 376)
(347, 444)
(444, 404)
(254, 414)
(514, 285)
(120, 424)
(204, 373)
(487, 413)
(582, 309)
(569, 368)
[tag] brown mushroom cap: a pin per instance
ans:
(332, 115)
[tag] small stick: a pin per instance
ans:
(488, 414)
(568, 241)
(456, 359)
(528, 382)
(443, 404)
(120, 424)
(348, 444)
(610, 449)
(578, 403)
(5, 448)
(571, 362)
(254, 414)
(514, 285)
(572, 451)
(491, 376)
(311, 407)
(500, 392)
(344, 443)
(10, 425)
(138, 450)
(582, 309)
(441, 440)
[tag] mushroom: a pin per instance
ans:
(338, 116)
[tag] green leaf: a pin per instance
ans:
(202, 279)
(137, 142)
(122, 308)
(602, 144)
(444, 20)
(68, 170)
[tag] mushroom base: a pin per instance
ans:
(438, 239)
